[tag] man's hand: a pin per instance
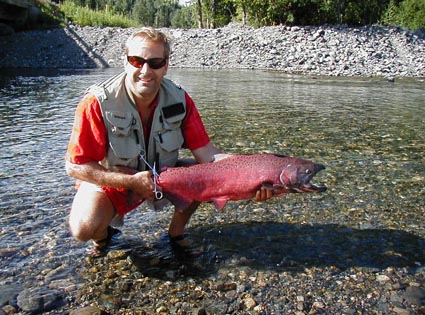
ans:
(263, 194)
(142, 184)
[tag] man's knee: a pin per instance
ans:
(80, 230)
(91, 213)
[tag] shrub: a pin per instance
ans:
(84, 16)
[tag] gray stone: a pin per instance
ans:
(39, 299)
(8, 294)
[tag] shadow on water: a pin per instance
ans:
(281, 247)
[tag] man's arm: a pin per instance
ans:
(206, 153)
(140, 182)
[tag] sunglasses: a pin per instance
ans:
(139, 62)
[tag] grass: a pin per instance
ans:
(60, 15)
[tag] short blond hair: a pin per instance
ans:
(153, 35)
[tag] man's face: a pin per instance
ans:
(144, 82)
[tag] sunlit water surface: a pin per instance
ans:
(370, 134)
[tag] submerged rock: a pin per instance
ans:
(37, 300)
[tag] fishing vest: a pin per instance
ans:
(124, 126)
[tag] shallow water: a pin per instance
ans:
(369, 133)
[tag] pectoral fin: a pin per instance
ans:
(219, 203)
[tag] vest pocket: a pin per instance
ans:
(120, 122)
(124, 148)
(124, 137)
(170, 140)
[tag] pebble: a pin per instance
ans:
(374, 50)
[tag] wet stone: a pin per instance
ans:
(9, 293)
(89, 310)
(415, 295)
(39, 299)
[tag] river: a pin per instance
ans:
(370, 134)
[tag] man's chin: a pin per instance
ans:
(144, 89)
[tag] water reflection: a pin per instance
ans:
(368, 132)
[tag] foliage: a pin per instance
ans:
(314, 12)
(184, 17)
(85, 16)
(50, 15)
(408, 13)
(144, 12)
(413, 14)
(217, 13)
(164, 12)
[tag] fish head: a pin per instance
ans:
(297, 174)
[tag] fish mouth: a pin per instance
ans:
(309, 188)
(304, 185)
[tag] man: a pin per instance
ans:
(138, 120)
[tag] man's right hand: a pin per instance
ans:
(142, 184)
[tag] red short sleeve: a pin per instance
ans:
(193, 128)
(89, 136)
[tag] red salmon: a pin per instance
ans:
(237, 177)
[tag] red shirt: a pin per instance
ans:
(89, 138)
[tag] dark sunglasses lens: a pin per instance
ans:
(154, 63)
(135, 61)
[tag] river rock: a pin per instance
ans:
(317, 50)
(37, 300)
(88, 310)
(415, 295)
(8, 294)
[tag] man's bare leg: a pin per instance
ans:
(178, 224)
(91, 214)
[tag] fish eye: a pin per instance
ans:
(308, 171)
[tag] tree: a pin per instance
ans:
(184, 17)
(144, 12)
(199, 13)
(164, 12)
(412, 14)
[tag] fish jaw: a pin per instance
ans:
(296, 177)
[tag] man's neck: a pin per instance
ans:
(142, 103)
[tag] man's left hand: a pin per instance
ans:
(263, 194)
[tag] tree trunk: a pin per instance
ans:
(244, 14)
(213, 14)
(199, 7)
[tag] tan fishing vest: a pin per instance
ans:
(124, 126)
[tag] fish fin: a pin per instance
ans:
(221, 156)
(219, 203)
(178, 201)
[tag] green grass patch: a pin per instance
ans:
(84, 16)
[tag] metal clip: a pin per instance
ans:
(158, 194)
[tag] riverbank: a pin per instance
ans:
(325, 50)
